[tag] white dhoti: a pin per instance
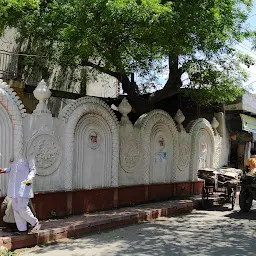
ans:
(22, 170)
(22, 213)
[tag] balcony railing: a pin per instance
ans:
(8, 65)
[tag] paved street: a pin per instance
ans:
(201, 233)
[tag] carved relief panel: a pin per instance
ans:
(130, 152)
(184, 152)
(46, 150)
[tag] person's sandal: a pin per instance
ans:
(36, 228)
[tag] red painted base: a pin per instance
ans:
(61, 204)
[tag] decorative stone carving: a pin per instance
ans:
(161, 142)
(215, 125)
(47, 152)
(6, 148)
(199, 145)
(217, 154)
(42, 130)
(93, 139)
(125, 108)
(42, 94)
(130, 153)
(184, 155)
(146, 123)
(202, 151)
(71, 115)
(92, 152)
(16, 111)
(179, 118)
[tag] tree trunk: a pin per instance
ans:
(141, 104)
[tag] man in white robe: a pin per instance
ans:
(20, 190)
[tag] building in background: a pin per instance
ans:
(67, 84)
(241, 123)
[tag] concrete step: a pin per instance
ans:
(55, 229)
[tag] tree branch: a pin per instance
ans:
(86, 63)
(172, 85)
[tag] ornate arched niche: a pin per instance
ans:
(202, 149)
(11, 129)
(159, 144)
(91, 144)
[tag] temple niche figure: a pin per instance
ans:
(93, 138)
(202, 158)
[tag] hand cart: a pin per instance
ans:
(220, 185)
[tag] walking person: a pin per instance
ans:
(8, 214)
(20, 190)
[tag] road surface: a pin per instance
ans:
(219, 232)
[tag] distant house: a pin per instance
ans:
(12, 71)
(241, 123)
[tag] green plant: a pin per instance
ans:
(5, 252)
(53, 214)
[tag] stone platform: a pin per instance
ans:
(55, 229)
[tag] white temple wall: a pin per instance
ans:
(130, 157)
(6, 145)
(183, 161)
(202, 146)
(158, 134)
(224, 137)
(12, 113)
(86, 147)
(91, 144)
(44, 140)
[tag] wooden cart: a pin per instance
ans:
(220, 185)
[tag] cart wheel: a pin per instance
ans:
(245, 200)
(204, 193)
(233, 198)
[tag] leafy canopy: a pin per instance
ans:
(185, 38)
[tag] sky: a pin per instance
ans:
(246, 46)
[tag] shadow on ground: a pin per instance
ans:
(215, 232)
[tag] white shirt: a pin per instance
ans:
(21, 170)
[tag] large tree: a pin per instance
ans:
(193, 40)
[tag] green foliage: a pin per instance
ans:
(12, 10)
(120, 37)
(5, 252)
(53, 214)
(217, 79)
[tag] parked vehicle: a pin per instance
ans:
(220, 185)
(248, 192)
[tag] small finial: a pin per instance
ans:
(179, 118)
(42, 94)
(125, 108)
(215, 125)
